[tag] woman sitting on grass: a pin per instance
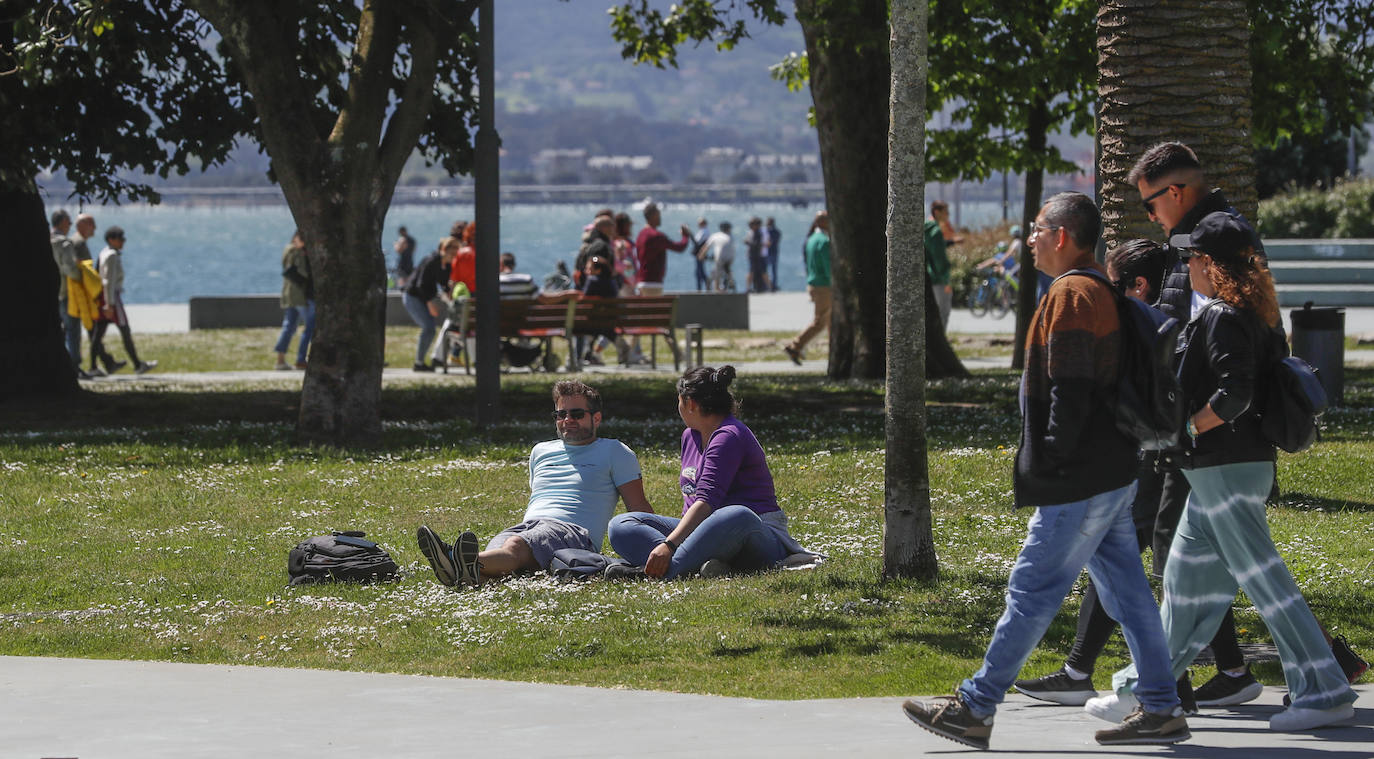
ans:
(730, 519)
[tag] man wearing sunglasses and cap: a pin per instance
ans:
(575, 482)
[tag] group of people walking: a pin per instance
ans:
(1201, 507)
(90, 294)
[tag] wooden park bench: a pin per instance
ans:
(520, 318)
(634, 316)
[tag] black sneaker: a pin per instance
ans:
(1187, 699)
(1058, 688)
(624, 572)
(1147, 727)
(423, 367)
(464, 556)
(439, 553)
(1225, 690)
(115, 366)
(948, 717)
(1351, 663)
(793, 354)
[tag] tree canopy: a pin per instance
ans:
(95, 89)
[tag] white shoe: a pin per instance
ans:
(1297, 718)
(1112, 707)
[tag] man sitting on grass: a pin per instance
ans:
(575, 482)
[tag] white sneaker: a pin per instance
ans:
(145, 367)
(1297, 718)
(1112, 707)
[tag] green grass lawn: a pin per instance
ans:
(156, 525)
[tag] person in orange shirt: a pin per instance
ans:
(465, 263)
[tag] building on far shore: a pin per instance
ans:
(783, 168)
(560, 166)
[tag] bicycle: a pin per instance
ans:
(993, 291)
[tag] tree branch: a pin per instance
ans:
(259, 42)
(369, 77)
(412, 111)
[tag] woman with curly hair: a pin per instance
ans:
(730, 516)
(1223, 539)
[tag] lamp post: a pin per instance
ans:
(488, 221)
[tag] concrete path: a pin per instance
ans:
(140, 710)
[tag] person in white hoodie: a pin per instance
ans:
(111, 268)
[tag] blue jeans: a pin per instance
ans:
(71, 329)
(703, 276)
(290, 316)
(733, 534)
(1060, 540)
(419, 311)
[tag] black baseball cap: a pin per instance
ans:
(1220, 235)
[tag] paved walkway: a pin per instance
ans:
(139, 710)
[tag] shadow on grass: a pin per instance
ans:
(1300, 501)
(801, 414)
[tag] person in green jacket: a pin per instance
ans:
(937, 260)
(817, 285)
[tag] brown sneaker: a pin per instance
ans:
(948, 717)
(793, 354)
(1147, 727)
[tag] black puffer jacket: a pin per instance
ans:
(1224, 360)
(1176, 293)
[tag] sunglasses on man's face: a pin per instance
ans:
(575, 413)
(1148, 203)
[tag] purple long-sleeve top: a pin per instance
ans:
(730, 471)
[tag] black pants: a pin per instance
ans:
(98, 344)
(1159, 502)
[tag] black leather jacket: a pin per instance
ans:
(1224, 359)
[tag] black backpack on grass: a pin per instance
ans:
(339, 557)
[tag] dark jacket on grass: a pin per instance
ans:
(1070, 448)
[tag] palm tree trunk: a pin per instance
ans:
(1175, 70)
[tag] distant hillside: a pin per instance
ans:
(553, 55)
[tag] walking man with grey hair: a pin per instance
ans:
(1077, 471)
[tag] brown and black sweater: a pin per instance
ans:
(1070, 447)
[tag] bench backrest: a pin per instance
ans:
(521, 317)
(636, 313)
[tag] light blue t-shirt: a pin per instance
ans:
(578, 483)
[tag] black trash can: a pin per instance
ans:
(1319, 339)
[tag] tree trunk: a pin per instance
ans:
(338, 186)
(1173, 71)
(908, 545)
(1028, 276)
(341, 395)
(850, 72)
(35, 358)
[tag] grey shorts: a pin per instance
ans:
(545, 536)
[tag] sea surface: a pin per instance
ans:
(174, 252)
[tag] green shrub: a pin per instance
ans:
(1305, 213)
(1354, 203)
(1347, 210)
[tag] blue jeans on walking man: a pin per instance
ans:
(1060, 541)
(291, 316)
(71, 329)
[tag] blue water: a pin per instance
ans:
(174, 252)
